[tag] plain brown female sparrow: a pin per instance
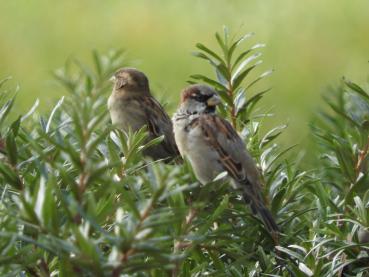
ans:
(132, 106)
(212, 146)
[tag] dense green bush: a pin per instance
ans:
(78, 199)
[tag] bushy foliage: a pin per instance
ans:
(79, 199)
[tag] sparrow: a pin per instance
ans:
(212, 146)
(131, 106)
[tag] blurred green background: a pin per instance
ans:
(310, 44)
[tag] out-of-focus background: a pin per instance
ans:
(310, 44)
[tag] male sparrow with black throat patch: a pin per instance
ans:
(212, 146)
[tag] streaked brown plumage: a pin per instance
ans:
(212, 146)
(132, 106)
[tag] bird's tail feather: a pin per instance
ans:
(258, 207)
(268, 219)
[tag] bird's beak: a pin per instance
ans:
(112, 79)
(213, 101)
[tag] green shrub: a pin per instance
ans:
(78, 199)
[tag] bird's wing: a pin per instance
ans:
(159, 124)
(223, 139)
(234, 158)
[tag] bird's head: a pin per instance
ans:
(130, 79)
(199, 99)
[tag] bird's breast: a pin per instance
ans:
(192, 145)
(125, 114)
(180, 136)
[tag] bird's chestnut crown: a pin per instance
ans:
(130, 79)
(199, 99)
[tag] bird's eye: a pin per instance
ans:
(201, 97)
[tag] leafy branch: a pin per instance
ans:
(232, 68)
